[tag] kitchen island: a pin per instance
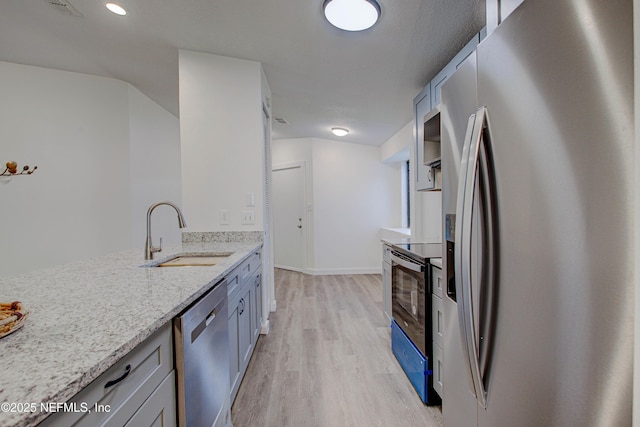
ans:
(85, 316)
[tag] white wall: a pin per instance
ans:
(155, 169)
(222, 102)
(221, 137)
(396, 148)
(352, 195)
(429, 222)
(77, 129)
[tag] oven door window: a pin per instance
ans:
(408, 303)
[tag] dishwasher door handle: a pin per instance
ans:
(210, 317)
(199, 329)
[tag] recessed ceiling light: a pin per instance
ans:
(351, 15)
(339, 131)
(117, 9)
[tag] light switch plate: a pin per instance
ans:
(225, 217)
(247, 218)
(250, 199)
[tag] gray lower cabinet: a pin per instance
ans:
(437, 322)
(159, 410)
(234, 351)
(245, 332)
(256, 307)
(240, 338)
(245, 317)
(143, 380)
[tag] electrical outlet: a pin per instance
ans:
(225, 217)
(247, 218)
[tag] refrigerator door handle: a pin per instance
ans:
(488, 289)
(476, 164)
(461, 260)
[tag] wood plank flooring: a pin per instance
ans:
(327, 360)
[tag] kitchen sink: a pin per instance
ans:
(194, 260)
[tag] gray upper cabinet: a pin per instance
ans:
(451, 67)
(498, 10)
(425, 104)
(424, 174)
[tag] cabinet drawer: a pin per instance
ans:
(437, 369)
(236, 278)
(437, 313)
(437, 281)
(136, 376)
(249, 265)
(160, 408)
(413, 363)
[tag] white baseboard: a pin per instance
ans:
(282, 267)
(264, 330)
(340, 271)
(332, 271)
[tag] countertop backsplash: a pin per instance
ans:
(221, 236)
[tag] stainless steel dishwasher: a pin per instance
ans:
(202, 361)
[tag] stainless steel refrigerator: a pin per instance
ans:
(537, 134)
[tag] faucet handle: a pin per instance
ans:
(154, 249)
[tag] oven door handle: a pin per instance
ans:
(407, 264)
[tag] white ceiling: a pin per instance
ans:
(319, 76)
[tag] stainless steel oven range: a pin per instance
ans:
(411, 311)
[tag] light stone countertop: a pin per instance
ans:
(85, 316)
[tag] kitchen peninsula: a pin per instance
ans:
(86, 316)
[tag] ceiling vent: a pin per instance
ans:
(281, 120)
(64, 7)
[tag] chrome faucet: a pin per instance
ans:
(149, 249)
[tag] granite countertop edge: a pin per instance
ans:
(25, 378)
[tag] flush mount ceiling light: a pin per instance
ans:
(339, 131)
(351, 15)
(117, 9)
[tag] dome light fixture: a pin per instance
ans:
(351, 15)
(340, 131)
(116, 8)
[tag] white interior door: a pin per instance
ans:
(288, 216)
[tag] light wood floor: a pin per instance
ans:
(327, 360)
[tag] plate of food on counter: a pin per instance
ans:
(12, 317)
